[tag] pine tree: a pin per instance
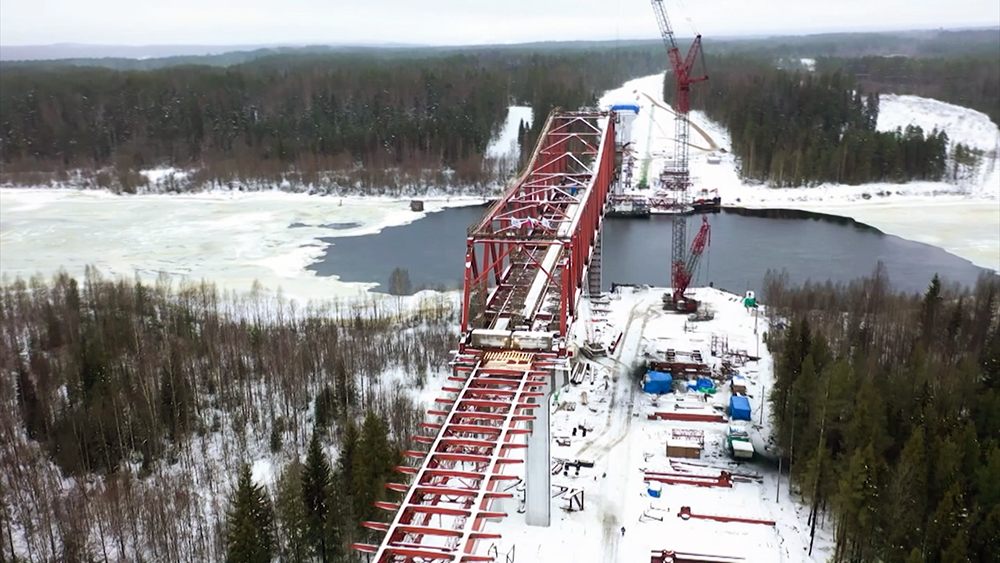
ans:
(317, 493)
(250, 525)
(915, 556)
(347, 464)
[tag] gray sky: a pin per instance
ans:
(449, 22)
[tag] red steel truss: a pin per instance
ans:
(527, 259)
(448, 502)
(526, 267)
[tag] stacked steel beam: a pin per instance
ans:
(448, 502)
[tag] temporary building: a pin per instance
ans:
(741, 449)
(685, 442)
(739, 384)
(739, 408)
(657, 382)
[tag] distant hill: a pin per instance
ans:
(915, 43)
(76, 51)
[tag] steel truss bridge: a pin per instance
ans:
(529, 261)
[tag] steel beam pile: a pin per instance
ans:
(527, 259)
(448, 501)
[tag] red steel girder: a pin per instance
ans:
(685, 513)
(557, 201)
(460, 475)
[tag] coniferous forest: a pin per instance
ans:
(310, 114)
(130, 409)
(888, 409)
(795, 127)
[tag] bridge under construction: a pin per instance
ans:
(529, 262)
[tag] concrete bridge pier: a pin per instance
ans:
(538, 464)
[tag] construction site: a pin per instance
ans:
(581, 425)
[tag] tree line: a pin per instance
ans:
(971, 81)
(307, 114)
(886, 406)
(791, 128)
(127, 407)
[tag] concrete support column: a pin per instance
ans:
(538, 464)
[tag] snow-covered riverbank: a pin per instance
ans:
(962, 218)
(227, 238)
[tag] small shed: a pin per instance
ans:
(739, 407)
(657, 382)
(741, 449)
(685, 442)
(416, 205)
(739, 384)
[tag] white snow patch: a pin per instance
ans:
(810, 64)
(263, 472)
(160, 175)
(505, 144)
(963, 125)
(228, 238)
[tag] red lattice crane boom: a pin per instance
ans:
(681, 68)
(677, 177)
(682, 272)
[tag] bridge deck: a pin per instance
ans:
(446, 506)
(525, 269)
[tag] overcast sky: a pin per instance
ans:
(450, 22)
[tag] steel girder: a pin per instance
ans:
(558, 201)
(448, 501)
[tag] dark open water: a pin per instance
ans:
(744, 245)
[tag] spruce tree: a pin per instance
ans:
(250, 526)
(373, 464)
(317, 492)
(291, 514)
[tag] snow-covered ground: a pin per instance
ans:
(505, 143)
(962, 218)
(228, 238)
(963, 125)
(622, 442)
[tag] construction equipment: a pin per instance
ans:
(676, 176)
(682, 270)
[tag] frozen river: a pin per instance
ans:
(311, 246)
(231, 239)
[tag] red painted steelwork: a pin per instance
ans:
(446, 505)
(526, 265)
(685, 513)
(724, 479)
(558, 201)
(687, 416)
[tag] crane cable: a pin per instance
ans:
(684, 10)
